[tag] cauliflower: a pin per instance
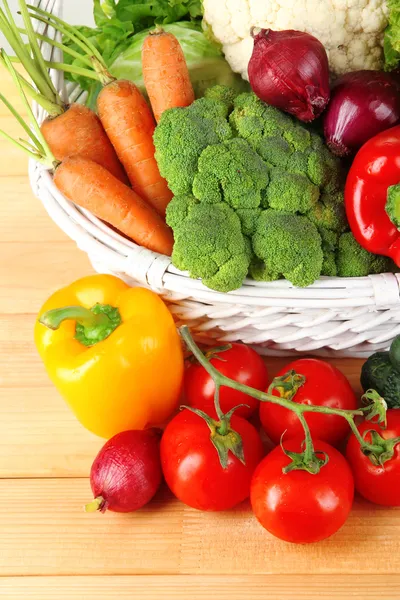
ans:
(351, 30)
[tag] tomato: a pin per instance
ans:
(299, 507)
(240, 363)
(192, 468)
(378, 484)
(325, 386)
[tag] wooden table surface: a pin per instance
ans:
(50, 549)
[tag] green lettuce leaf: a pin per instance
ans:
(392, 36)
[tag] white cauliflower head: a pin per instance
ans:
(351, 30)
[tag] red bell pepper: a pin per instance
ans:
(375, 169)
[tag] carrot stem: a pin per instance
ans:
(60, 46)
(73, 69)
(36, 51)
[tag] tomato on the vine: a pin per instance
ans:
(192, 467)
(298, 506)
(378, 483)
(324, 385)
(238, 362)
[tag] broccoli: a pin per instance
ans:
(223, 94)
(393, 204)
(291, 192)
(329, 214)
(259, 271)
(209, 243)
(329, 245)
(290, 245)
(231, 172)
(181, 136)
(355, 261)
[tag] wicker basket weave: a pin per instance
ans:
(335, 316)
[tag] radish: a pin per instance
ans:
(126, 473)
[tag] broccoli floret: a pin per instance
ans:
(232, 172)
(329, 246)
(259, 271)
(209, 243)
(354, 261)
(393, 204)
(181, 136)
(290, 245)
(249, 219)
(291, 192)
(179, 209)
(329, 214)
(223, 94)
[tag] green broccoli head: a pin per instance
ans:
(393, 204)
(181, 136)
(290, 245)
(231, 172)
(354, 261)
(259, 271)
(209, 243)
(291, 192)
(223, 94)
(329, 245)
(329, 214)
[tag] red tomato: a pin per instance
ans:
(192, 468)
(299, 507)
(325, 386)
(378, 484)
(240, 363)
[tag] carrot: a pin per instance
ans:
(68, 130)
(78, 131)
(91, 186)
(129, 124)
(165, 73)
(124, 114)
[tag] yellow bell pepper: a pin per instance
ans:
(113, 352)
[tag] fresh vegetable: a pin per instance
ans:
(392, 36)
(289, 70)
(375, 169)
(165, 72)
(113, 352)
(352, 32)
(126, 473)
(381, 372)
(313, 382)
(288, 245)
(69, 130)
(353, 260)
(258, 159)
(376, 468)
(192, 466)
(90, 186)
(129, 124)
(125, 116)
(298, 506)
(236, 361)
(362, 105)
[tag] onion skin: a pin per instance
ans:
(290, 70)
(363, 104)
(126, 473)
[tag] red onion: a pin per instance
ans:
(290, 70)
(126, 473)
(363, 104)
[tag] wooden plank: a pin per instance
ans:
(40, 436)
(181, 587)
(23, 215)
(26, 279)
(45, 532)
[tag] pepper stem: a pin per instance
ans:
(92, 325)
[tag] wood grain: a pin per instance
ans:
(234, 587)
(45, 532)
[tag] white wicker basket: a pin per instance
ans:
(335, 316)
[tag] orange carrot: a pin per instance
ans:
(91, 186)
(129, 124)
(165, 73)
(78, 132)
